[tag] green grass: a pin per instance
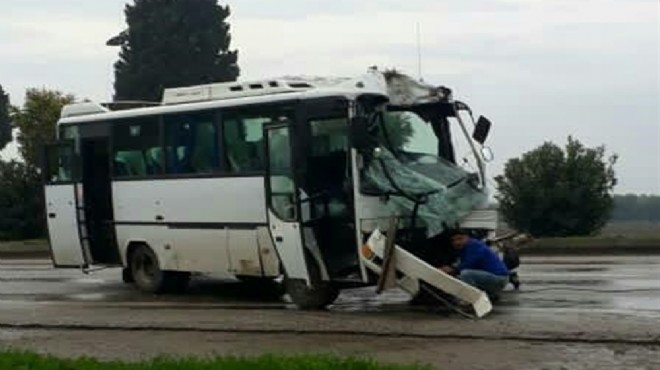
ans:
(31, 361)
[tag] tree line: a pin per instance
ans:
(633, 207)
(167, 43)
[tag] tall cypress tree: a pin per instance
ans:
(5, 124)
(172, 43)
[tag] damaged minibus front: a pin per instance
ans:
(420, 165)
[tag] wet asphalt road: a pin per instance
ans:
(611, 284)
(570, 307)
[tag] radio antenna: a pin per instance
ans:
(419, 54)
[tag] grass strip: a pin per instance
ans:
(17, 360)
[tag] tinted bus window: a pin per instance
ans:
(244, 143)
(243, 136)
(136, 148)
(191, 144)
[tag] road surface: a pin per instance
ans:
(572, 313)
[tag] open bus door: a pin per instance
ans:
(283, 205)
(305, 278)
(60, 189)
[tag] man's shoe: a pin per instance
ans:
(514, 280)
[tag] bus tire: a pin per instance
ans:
(147, 275)
(315, 296)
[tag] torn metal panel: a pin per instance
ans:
(415, 270)
(403, 90)
(446, 192)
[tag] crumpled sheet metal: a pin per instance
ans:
(444, 208)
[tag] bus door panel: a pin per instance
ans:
(282, 199)
(289, 246)
(62, 206)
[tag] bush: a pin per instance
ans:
(21, 202)
(551, 191)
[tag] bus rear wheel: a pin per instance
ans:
(148, 276)
(313, 296)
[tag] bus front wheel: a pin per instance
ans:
(313, 296)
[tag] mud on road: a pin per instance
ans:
(572, 313)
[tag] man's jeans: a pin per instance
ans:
(489, 283)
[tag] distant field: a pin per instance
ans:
(633, 237)
(632, 229)
(31, 361)
(24, 248)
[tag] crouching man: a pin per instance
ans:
(478, 266)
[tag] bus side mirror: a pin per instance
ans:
(481, 130)
(361, 139)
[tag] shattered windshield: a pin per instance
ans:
(407, 132)
(407, 169)
(414, 142)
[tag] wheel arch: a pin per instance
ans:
(129, 247)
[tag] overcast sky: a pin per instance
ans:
(539, 69)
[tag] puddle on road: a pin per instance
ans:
(637, 284)
(584, 269)
(563, 269)
(88, 297)
(366, 300)
(34, 280)
(637, 303)
(533, 284)
(90, 281)
(552, 303)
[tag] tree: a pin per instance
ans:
(36, 122)
(555, 192)
(398, 129)
(172, 43)
(5, 123)
(21, 205)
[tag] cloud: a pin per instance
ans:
(56, 37)
(541, 70)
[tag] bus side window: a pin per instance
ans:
(136, 148)
(244, 143)
(191, 144)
